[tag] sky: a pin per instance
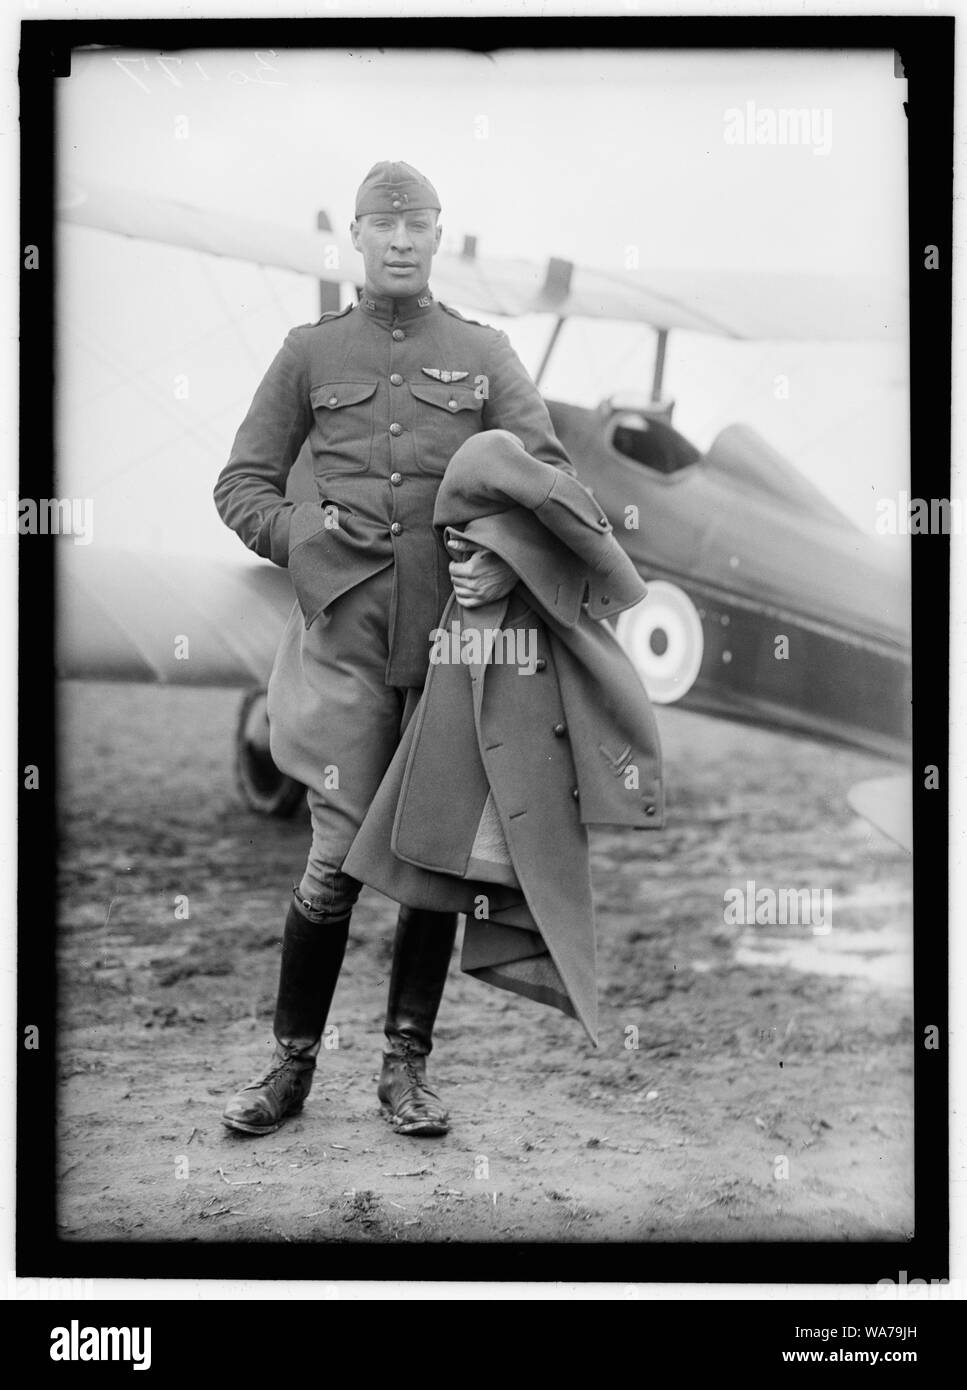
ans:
(573, 154)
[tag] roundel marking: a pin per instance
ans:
(663, 637)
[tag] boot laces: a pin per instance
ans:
(284, 1071)
(411, 1058)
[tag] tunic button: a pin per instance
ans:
(541, 664)
(333, 400)
(396, 528)
(396, 479)
(649, 810)
(560, 730)
(396, 429)
(398, 335)
(396, 379)
(602, 521)
(575, 793)
(452, 405)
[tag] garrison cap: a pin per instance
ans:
(395, 187)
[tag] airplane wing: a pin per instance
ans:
(734, 304)
(886, 802)
(180, 620)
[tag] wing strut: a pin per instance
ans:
(659, 365)
(555, 333)
(328, 289)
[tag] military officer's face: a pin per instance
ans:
(397, 249)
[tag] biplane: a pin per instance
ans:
(747, 562)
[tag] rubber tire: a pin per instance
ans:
(263, 787)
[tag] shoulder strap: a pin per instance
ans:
(462, 317)
(335, 314)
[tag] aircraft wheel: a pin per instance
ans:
(663, 637)
(264, 787)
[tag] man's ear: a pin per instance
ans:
(354, 233)
(436, 239)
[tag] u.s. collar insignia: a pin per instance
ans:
(439, 374)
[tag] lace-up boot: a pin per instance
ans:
(312, 956)
(421, 958)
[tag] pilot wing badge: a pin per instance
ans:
(439, 374)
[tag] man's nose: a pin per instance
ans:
(402, 238)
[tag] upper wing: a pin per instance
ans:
(323, 255)
(734, 304)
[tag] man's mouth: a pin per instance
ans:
(401, 265)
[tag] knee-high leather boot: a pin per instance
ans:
(421, 958)
(312, 956)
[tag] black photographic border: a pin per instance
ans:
(925, 48)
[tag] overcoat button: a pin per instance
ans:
(540, 664)
(396, 379)
(602, 521)
(396, 528)
(396, 479)
(605, 599)
(398, 335)
(560, 730)
(649, 810)
(396, 429)
(575, 793)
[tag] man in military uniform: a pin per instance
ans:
(385, 391)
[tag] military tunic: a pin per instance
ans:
(384, 392)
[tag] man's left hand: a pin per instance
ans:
(483, 578)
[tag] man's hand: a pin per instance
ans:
(483, 578)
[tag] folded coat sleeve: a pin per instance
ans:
(514, 403)
(250, 491)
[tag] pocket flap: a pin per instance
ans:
(452, 398)
(334, 394)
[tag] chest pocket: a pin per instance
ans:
(342, 437)
(444, 417)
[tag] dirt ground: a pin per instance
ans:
(763, 1100)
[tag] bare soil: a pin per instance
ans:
(756, 1101)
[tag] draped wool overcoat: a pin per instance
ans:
(532, 726)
